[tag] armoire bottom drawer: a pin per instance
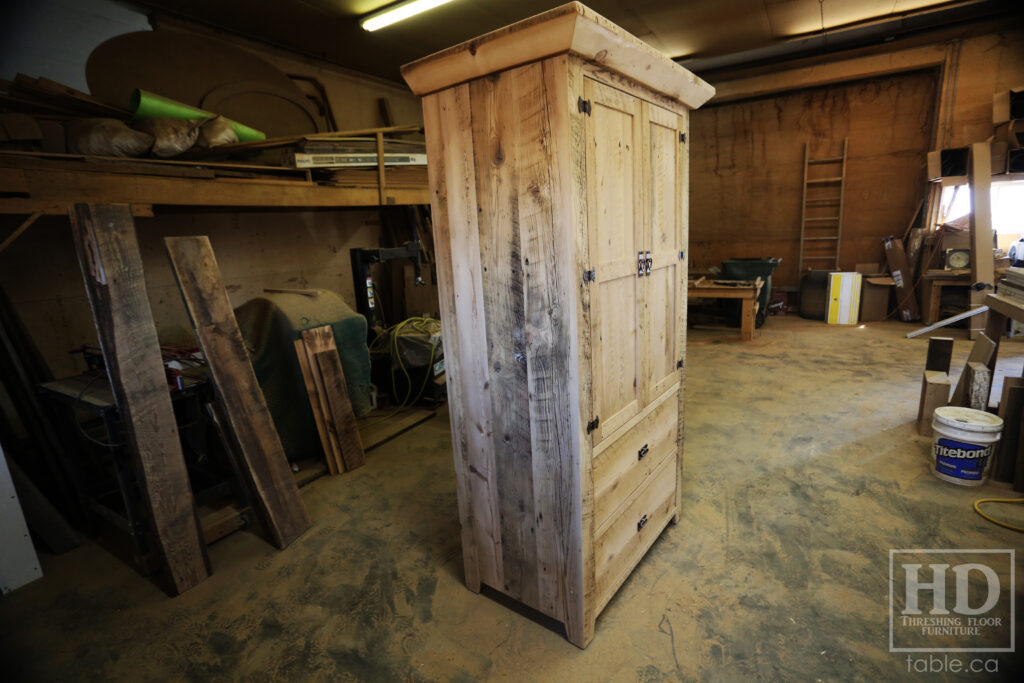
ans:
(621, 467)
(618, 549)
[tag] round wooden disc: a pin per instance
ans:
(274, 110)
(174, 64)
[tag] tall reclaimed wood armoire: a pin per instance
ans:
(557, 157)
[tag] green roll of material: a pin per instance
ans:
(148, 105)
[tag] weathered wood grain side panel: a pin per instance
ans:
(551, 274)
(448, 122)
(108, 252)
(497, 148)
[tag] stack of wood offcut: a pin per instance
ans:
(972, 391)
(328, 397)
(1012, 284)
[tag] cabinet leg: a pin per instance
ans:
(471, 571)
(747, 324)
(581, 633)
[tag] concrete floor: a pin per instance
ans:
(803, 470)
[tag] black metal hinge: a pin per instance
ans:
(682, 254)
(584, 106)
(590, 275)
(682, 137)
(679, 364)
(592, 425)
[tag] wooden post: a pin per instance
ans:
(112, 268)
(982, 267)
(979, 382)
(270, 479)
(1011, 407)
(982, 352)
(381, 180)
(940, 354)
(934, 394)
(747, 320)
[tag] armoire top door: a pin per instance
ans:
(662, 288)
(615, 221)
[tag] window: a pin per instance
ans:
(1007, 206)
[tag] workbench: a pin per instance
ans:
(1000, 308)
(110, 493)
(745, 290)
(931, 292)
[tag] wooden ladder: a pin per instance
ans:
(821, 215)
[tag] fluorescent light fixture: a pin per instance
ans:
(399, 12)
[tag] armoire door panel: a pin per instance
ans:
(663, 235)
(660, 342)
(614, 215)
(613, 316)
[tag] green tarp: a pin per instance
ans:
(270, 325)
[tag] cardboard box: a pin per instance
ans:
(905, 295)
(948, 165)
(869, 269)
(1015, 161)
(1008, 105)
(999, 152)
(874, 298)
(956, 240)
(843, 298)
(1011, 132)
(875, 291)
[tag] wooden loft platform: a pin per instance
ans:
(51, 183)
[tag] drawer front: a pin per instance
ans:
(623, 466)
(619, 548)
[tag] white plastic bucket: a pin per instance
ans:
(964, 442)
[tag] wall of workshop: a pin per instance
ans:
(278, 249)
(747, 168)
(983, 65)
(747, 155)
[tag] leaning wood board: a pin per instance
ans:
(248, 418)
(108, 253)
(558, 189)
(330, 394)
(331, 456)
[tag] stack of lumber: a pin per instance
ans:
(972, 389)
(298, 142)
(44, 98)
(1012, 284)
(328, 397)
(408, 177)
